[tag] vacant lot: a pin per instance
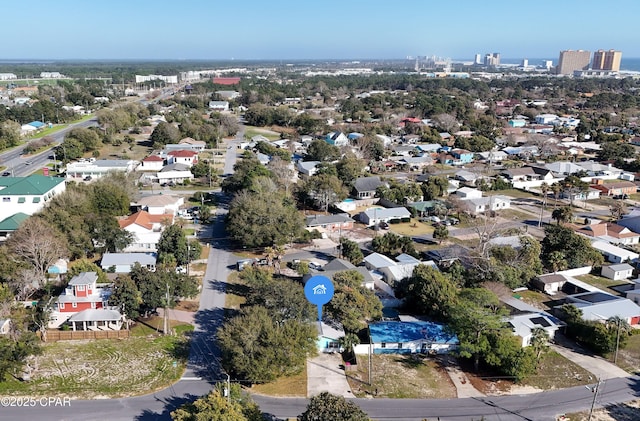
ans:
(554, 372)
(629, 356)
(106, 368)
(285, 386)
(412, 228)
(601, 282)
(252, 131)
(401, 376)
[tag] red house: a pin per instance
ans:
(82, 294)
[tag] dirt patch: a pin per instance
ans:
(187, 306)
(621, 412)
(401, 376)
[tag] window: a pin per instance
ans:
(21, 200)
(61, 306)
(93, 304)
(80, 287)
(6, 199)
(74, 304)
(399, 345)
(36, 200)
(383, 345)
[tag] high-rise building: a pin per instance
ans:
(478, 59)
(525, 63)
(492, 59)
(571, 60)
(607, 60)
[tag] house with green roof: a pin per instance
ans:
(27, 195)
(10, 224)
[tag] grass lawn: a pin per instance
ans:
(629, 356)
(401, 376)
(235, 292)
(134, 151)
(412, 228)
(601, 282)
(557, 372)
(106, 368)
(521, 194)
(295, 386)
(537, 299)
(252, 131)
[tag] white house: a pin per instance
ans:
(174, 173)
(83, 169)
(376, 261)
(374, 216)
(182, 156)
(484, 204)
(27, 195)
(151, 163)
(523, 325)
(160, 204)
(617, 272)
(124, 262)
(146, 230)
(546, 118)
(219, 105)
(615, 254)
(337, 139)
(308, 168)
(468, 193)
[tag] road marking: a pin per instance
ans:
(191, 378)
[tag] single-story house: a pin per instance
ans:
(396, 273)
(98, 168)
(634, 293)
(337, 139)
(616, 188)
(630, 222)
(549, 283)
(341, 265)
(174, 173)
(466, 193)
(374, 216)
(124, 262)
(391, 337)
(151, 163)
(219, 105)
(617, 272)
(600, 306)
(615, 254)
(96, 319)
(365, 187)
(483, 204)
(331, 223)
(328, 337)
(524, 324)
(447, 255)
(160, 204)
(590, 194)
(10, 224)
(377, 261)
(309, 168)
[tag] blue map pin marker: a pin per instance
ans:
(319, 291)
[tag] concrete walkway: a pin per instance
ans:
(179, 315)
(464, 388)
(599, 367)
(324, 374)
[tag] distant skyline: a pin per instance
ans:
(329, 29)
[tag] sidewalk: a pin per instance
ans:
(464, 388)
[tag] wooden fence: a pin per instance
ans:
(68, 335)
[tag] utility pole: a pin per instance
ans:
(166, 313)
(615, 358)
(595, 391)
(370, 365)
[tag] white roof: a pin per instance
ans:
(379, 260)
(95, 315)
(614, 250)
(113, 259)
(383, 213)
(620, 267)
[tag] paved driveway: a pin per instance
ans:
(598, 366)
(324, 374)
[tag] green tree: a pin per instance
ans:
(563, 244)
(164, 133)
(352, 304)
(216, 407)
(107, 234)
(392, 244)
(440, 233)
(323, 190)
(319, 150)
(350, 250)
(173, 242)
(263, 219)
(108, 198)
(85, 265)
(428, 291)
(258, 349)
(126, 296)
(328, 407)
(200, 169)
(245, 172)
(349, 168)
(434, 187)
(539, 341)
(283, 299)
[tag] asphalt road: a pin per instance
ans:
(21, 165)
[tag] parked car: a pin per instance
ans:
(383, 225)
(6, 174)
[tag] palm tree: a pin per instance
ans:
(563, 214)
(539, 342)
(622, 329)
(544, 188)
(556, 188)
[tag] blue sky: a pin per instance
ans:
(307, 29)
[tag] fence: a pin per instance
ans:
(68, 335)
